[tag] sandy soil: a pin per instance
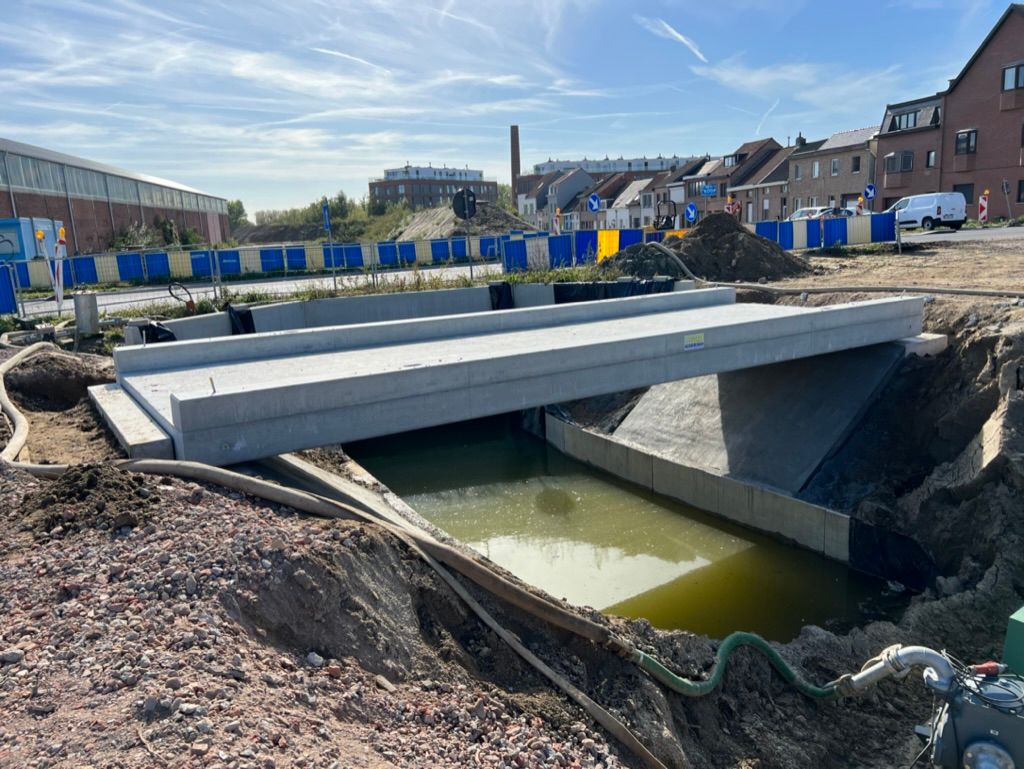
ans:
(151, 622)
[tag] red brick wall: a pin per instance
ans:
(916, 182)
(978, 102)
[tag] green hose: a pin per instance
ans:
(728, 646)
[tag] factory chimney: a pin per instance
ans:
(514, 141)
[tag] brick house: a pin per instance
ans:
(834, 172)
(968, 138)
(766, 196)
(732, 171)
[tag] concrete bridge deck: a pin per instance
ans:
(241, 398)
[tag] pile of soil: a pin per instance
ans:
(277, 233)
(87, 497)
(490, 219)
(717, 249)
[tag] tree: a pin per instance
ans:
(505, 198)
(236, 215)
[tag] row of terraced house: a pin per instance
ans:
(967, 138)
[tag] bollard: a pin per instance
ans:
(87, 316)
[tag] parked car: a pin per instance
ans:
(836, 212)
(807, 213)
(931, 210)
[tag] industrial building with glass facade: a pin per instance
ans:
(97, 202)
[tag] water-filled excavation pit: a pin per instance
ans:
(596, 541)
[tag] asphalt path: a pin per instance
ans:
(112, 302)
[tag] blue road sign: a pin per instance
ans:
(708, 190)
(594, 203)
(327, 217)
(691, 212)
(870, 192)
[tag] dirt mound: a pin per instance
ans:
(719, 248)
(490, 219)
(64, 427)
(87, 497)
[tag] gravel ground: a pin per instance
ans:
(130, 642)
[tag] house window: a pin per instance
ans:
(967, 190)
(816, 169)
(1020, 191)
(798, 174)
(855, 165)
(835, 166)
(967, 142)
(812, 202)
(1013, 77)
(904, 121)
(897, 162)
(929, 159)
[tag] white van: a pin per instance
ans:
(948, 209)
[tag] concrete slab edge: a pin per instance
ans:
(812, 527)
(135, 430)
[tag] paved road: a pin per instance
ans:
(964, 236)
(113, 302)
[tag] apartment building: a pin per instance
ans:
(967, 138)
(429, 186)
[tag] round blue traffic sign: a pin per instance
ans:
(870, 191)
(691, 212)
(594, 203)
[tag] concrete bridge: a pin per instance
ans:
(234, 399)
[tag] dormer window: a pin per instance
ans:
(903, 121)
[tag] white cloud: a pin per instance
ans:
(662, 28)
(350, 57)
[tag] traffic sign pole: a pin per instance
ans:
(325, 208)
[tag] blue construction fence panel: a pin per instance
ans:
(489, 248)
(813, 232)
(295, 257)
(769, 230)
(630, 237)
(230, 262)
(272, 260)
(387, 250)
(352, 255)
(586, 246)
(786, 235)
(514, 256)
(407, 252)
(460, 252)
(560, 250)
(129, 267)
(22, 269)
(883, 227)
(84, 270)
(654, 237)
(439, 251)
(835, 232)
(8, 302)
(201, 264)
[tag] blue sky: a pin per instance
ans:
(278, 102)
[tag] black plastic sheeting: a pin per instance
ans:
(501, 296)
(886, 554)
(241, 320)
(154, 332)
(566, 293)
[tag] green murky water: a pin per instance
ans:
(595, 541)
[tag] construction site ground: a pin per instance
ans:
(152, 622)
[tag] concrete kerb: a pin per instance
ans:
(171, 355)
(814, 528)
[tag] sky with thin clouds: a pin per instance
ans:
(278, 103)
